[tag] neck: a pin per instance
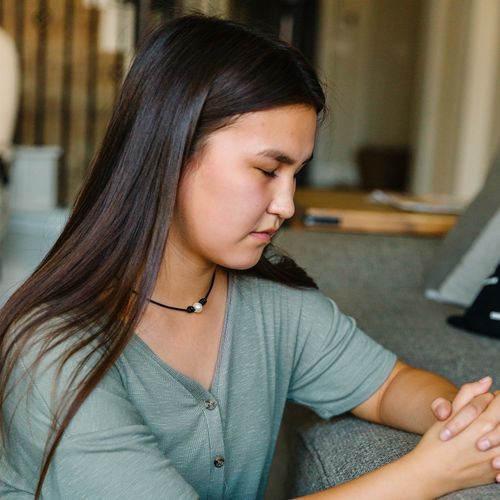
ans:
(183, 280)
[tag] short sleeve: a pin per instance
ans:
(107, 451)
(336, 366)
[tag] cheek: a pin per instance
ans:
(231, 201)
(216, 216)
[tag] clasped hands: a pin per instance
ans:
(472, 401)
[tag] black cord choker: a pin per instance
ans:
(197, 307)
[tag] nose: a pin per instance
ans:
(282, 203)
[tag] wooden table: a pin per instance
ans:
(348, 211)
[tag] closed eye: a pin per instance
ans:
(268, 173)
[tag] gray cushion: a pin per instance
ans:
(469, 252)
(339, 260)
(356, 447)
(328, 454)
(416, 330)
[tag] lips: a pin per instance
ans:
(264, 235)
(270, 232)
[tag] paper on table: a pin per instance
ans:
(432, 203)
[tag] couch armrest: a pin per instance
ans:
(332, 452)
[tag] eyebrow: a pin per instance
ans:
(281, 157)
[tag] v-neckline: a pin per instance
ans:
(185, 380)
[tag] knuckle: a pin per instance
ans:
(466, 387)
(489, 397)
(494, 438)
(472, 409)
(455, 425)
(488, 425)
(481, 403)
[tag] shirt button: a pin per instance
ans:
(219, 461)
(210, 404)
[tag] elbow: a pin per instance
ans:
(387, 396)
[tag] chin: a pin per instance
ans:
(241, 264)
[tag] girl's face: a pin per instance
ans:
(239, 188)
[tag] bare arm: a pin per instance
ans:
(398, 480)
(404, 400)
(413, 399)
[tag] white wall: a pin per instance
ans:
(457, 129)
(424, 73)
(367, 52)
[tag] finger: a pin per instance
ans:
(466, 416)
(469, 391)
(441, 408)
(496, 465)
(490, 440)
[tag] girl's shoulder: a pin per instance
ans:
(255, 288)
(51, 355)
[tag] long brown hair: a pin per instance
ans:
(191, 77)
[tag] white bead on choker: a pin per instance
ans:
(197, 307)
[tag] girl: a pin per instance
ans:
(151, 353)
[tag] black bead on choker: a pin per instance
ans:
(197, 307)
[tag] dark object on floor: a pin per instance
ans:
(483, 316)
(4, 177)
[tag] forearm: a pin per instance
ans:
(406, 404)
(402, 480)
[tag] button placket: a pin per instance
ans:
(210, 407)
(211, 404)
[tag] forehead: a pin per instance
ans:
(290, 129)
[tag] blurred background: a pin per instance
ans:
(412, 86)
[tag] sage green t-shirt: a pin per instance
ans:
(147, 431)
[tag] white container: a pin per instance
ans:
(33, 184)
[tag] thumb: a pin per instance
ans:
(441, 408)
(469, 391)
